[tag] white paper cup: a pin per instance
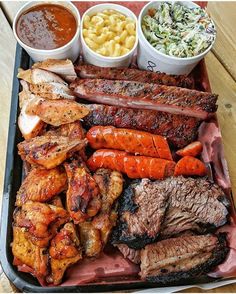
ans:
(70, 50)
(94, 58)
(151, 59)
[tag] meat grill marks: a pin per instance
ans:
(161, 209)
(138, 95)
(131, 74)
(179, 130)
(182, 258)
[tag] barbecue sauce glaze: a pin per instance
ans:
(46, 26)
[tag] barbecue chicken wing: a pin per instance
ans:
(40, 221)
(57, 112)
(49, 151)
(82, 197)
(90, 239)
(27, 253)
(110, 184)
(41, 185)
(64, 251)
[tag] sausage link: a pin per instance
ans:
(133, 166)
(132, 141)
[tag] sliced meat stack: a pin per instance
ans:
(182, 258)
(160, 209)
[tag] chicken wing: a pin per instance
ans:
(64, 251)
(37, 76)
(90, 239)
(27, 253)
(57, 112)
(110, 184)
(40, 221)
(29, 125)
(82, 189)
(63, 68)
(41, 185)
(49, 151)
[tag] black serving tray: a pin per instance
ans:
(13, 177)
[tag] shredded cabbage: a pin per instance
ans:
(177, 30)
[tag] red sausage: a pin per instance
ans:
(133, 141)
(133, 166)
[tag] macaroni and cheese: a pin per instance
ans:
(109, 33)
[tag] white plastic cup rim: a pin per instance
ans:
(69, 5)
(155, 51)
(120, 9)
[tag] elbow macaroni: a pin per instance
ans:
(109, 33)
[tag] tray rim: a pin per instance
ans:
(7, 267)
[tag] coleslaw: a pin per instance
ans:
(177, 30)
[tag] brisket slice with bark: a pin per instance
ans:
(142, 209)
(179, 130)
(130, 74)
(138, 95)
(182, 258)
(166, 208)
(195, 204)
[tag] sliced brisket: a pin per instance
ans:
(182, 258)
(166, 208)
(142, 210)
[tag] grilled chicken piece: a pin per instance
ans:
(40, 220)
(41, 185)
(182, 258)
(64, 251)
(29, 125)
(73, 131)
(38, 76)
(63, 68)
(110, 184)
(82, 197)
(57, 112)
(52, 90)
(27, 253)
(49, 151)
(90, 239)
